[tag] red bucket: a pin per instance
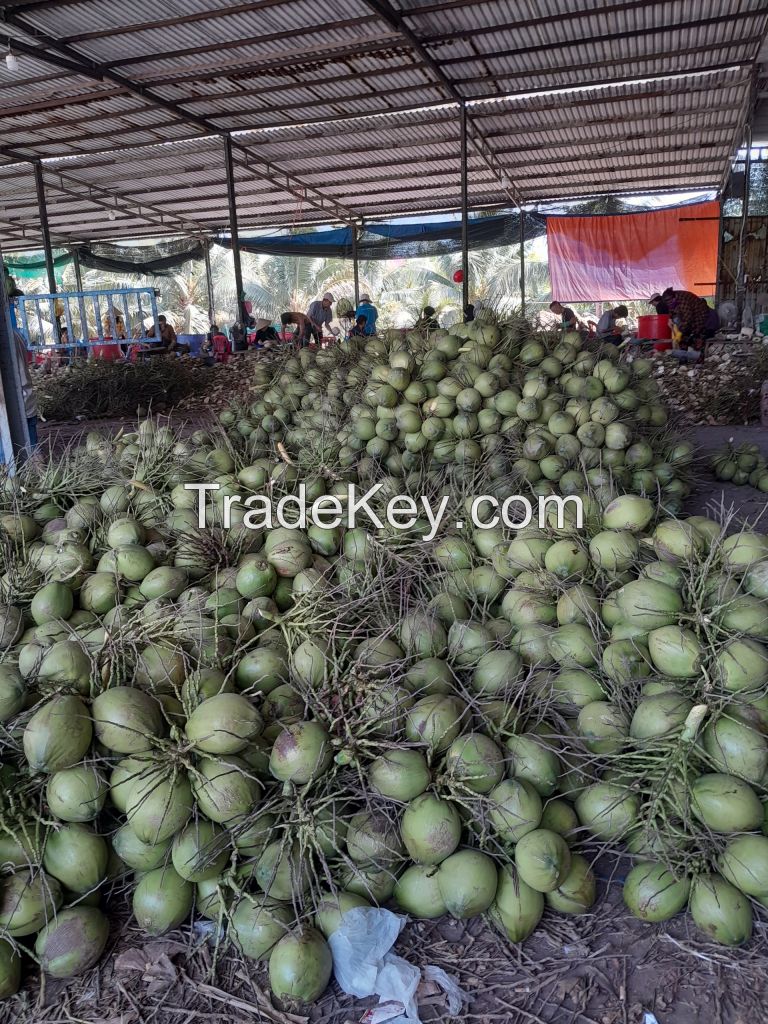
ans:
(108, 352)
(654, 328)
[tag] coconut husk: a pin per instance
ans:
(723, 389)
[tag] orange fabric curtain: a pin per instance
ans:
(632, 255)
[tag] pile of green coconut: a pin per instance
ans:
(268, 727)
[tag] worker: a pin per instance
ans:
(469, 314)
(568, 319)
(428, 320)
(320, 314)
(660, 303)
(301, 322)
(691, 315)
(367, 309)
(265, 334)
(27, 388)
(360, 330)
(607, 330)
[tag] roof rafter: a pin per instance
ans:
(55, 52)
(394, 18)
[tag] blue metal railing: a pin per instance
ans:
(85, 315)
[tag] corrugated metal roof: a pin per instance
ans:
(327, 104)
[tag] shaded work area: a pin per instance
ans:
(218, 119)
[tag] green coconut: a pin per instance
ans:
(76, 856)
(533, 761)
(200, 851)
(662, 714)
(467, 881)
(162, 900)
(27, 902)
(720, 910)
(58, 735)
(300, 966)
(281, 871)
(225, 788)
(430, 829)
(417, 891)
(10, 969)
(13, 691)
(399, 774)
(744, 863)
(72, 942)
(51, 602)
(67, 663)
(608, 810)
(675, 652)
(372, 840)
(475, 761)
(652, 893)
(76, 794)
(725, 804)
(603, 726)
(542, 859)
(135, 853)
(577, 892)
(332, 907)
(223, 724)
(736, 748)
(127, 720)
(301, 752)
(435, 720)
(518, 907)
(158, 804)
(255, 926)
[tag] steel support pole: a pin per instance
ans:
(741, 284)
(233, 232)
(522, 260)
(77, 269)
(14, 432)
(719, 264)
(209, 284)
(42, 210)
(464, 209)
(355, 264)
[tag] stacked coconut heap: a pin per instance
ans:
(740, 465)
(531, 409)
(270, 727)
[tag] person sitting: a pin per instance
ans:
(568, 319)
(360, 330)
(216, 347)
(265, 334)
(428, 320)
(238, 333)
(368, 310)
(607, 329)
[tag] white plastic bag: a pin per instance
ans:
(364, 966)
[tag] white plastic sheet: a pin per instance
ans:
(365, 966)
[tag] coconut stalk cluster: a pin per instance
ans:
(265, 728)
(741, 465)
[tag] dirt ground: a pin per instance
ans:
(604, 967)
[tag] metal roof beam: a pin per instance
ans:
(62, 54)
(394, 18)
(193, 16)
(234, 44)
(580, 14)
